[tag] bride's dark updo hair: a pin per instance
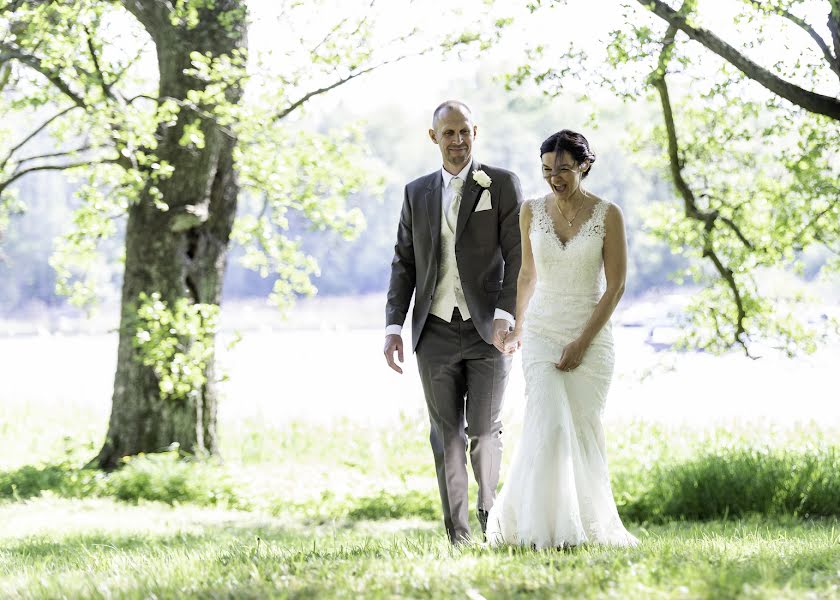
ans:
(571, 142)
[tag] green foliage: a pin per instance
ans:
(119, 160)
(735, 482)
(178, 343)
(291, 175)
(164, 477)
(762, 172)
(10, 205)
(61, 479)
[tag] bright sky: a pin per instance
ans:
(418, 85)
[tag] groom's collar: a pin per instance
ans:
(447, 176)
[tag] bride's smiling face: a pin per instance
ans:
(562, 173)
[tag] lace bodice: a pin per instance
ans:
(572, 268)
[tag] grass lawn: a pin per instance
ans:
(101, 548)
(311, 512)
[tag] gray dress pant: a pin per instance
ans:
(464, 381)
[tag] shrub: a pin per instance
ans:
(740, 481)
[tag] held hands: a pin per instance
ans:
(572, 356)
(501, 328)
(394, 342)
(513, 341)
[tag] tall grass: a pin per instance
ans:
(735, 482)
(352, 473)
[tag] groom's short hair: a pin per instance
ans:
(447, 106)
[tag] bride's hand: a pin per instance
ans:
(572, 356)
(513, 341)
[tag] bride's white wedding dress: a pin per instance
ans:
(557, 492)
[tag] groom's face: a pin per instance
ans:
(454, 132)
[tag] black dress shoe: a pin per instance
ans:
(482, 519)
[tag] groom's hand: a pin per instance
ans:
(394, 342)
(500, 330)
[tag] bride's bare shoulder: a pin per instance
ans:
(530, 202)
(596, 200)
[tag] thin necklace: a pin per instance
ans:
(569, 221)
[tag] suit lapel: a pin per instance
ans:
(433, 209)
(468, 200)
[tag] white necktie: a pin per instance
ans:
(457, 185)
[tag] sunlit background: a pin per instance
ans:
(327, 350)
(311, 419)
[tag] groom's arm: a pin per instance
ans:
(403, 281)
(403, 273)
(510, 200)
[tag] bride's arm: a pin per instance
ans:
(615, 270)
(527, 278)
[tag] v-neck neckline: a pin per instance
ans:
(553, 227)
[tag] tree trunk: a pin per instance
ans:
(180, 252)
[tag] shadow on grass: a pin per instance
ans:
(714, 560)
(79, 548)
(327, 569)
(387, 505)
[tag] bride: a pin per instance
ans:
(574, 261)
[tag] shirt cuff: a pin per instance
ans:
(393, 330)
(503, 314)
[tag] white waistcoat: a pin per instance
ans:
(448, 292)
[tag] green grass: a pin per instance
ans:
(351, 472)
(200, 555)
(311, 511)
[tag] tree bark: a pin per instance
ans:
(178, 253)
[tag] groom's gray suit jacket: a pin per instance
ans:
(487, 250)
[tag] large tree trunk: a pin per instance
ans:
(178, 253)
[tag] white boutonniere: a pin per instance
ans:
(482, 178)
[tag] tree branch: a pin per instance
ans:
(19, 174)
(338, 26)
(689, 201)
(100, 75)
(34, 63)
(84, 148)
(309, 95)
(735, 229)
(186, 104)
(810, 101)
(34, 133)
(803, 24)
(119, 75)
(816, 218)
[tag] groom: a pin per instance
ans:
(458, 248)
